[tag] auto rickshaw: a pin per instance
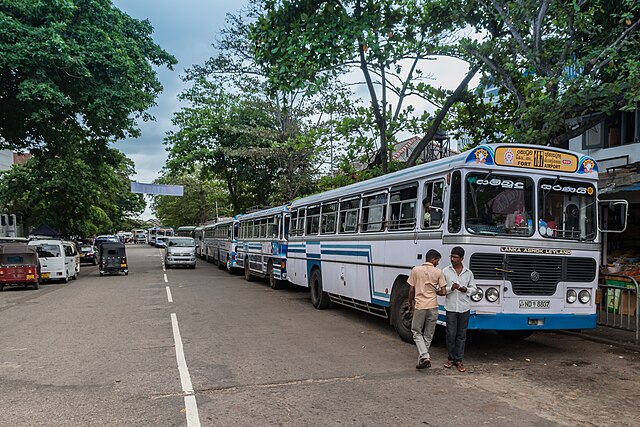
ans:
(19, 265)
(113, 259)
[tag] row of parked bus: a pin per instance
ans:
(527, 217)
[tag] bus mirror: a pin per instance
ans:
(613, 216)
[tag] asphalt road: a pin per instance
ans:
(108, 351)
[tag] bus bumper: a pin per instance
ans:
(531, 322)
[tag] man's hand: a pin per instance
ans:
(455, 286)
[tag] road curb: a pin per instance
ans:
(626, 345)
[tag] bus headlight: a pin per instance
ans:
(492, 295)
(478, 295)
(572, 296)
(584, 296)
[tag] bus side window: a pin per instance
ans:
(402, 204)
(455, 203)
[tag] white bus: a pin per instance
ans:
(262, 245)
(220, 243)
(185, 231)
(525, 215)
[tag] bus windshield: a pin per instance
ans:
(499, 204)
(567, 210)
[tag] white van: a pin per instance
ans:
(55, 264)
(71, 250)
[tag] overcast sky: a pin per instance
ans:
(186, 29)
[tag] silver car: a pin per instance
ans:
(180, 251)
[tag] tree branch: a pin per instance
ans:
(453, 98)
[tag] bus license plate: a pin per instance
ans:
(534, 303)
(45, 275)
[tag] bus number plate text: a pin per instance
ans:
(534, 304)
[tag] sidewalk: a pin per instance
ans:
(607, 335)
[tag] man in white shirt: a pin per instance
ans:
(461, 287)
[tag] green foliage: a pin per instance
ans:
(203, 200)
(300, 44)
(263, 142)
(80, 189)
(560, 67)
(78, 67)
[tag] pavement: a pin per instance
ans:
(612, 336)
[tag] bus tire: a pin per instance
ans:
(515, 335)
(273, 282)
(36, 285)
(400, 315)
(319, 298)
(247, 271)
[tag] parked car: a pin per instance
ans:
(113, 259)
(180, 251)
(89, 254)
(19, 265)
(55, 264)
(161, 242)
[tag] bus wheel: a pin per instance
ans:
(400, 315)
(247, 272)
(229, 268)
(515, 335)
(36, 285)
(221, 264)
(319, 298)
(273, 282)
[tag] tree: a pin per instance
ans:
(268, 164)
(203, 200)
(227, 137)
(560, 67)
(80, 189)
(303, 42)
(78, 67)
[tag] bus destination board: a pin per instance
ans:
(536, 158)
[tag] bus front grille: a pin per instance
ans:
(533, 274)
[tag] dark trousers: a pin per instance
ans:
(457, 324)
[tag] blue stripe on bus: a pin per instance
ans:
(315, 256)
(296, 251)
(511, 321)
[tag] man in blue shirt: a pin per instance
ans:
(461, 287)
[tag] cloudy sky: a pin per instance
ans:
(186, 29)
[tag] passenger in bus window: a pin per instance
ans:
(425, 283)
(426, 204)
(461, 287)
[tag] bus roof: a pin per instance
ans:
(266, 212)
(493, 156)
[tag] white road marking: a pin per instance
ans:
(191, 405)
(169, 297)
(165, 278)
(193, 418)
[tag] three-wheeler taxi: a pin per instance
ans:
(19, 265)
(113, 259)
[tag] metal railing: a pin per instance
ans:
(619, 302)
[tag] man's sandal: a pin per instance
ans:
(449, 364)
(461, 367)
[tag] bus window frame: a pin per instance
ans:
(365, 225)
